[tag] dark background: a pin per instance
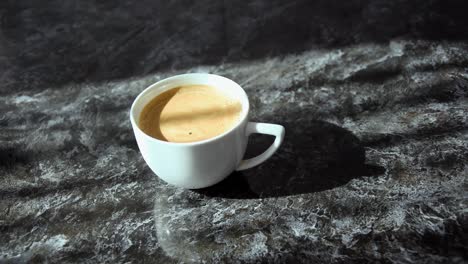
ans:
(54, 42)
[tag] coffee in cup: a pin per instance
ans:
(190, 113)
(211, 107)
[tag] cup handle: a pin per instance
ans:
(263, 128)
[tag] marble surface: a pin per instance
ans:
(373, 167)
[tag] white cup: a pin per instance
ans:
(203, 163)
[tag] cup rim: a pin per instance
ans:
(184, 144)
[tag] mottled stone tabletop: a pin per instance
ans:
(373, 167)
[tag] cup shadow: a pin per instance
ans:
(315, 156)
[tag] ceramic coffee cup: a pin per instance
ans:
(204, 163)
